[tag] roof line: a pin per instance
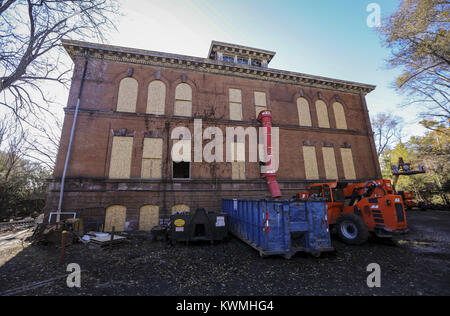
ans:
(126, 50)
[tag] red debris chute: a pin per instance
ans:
(265, 118)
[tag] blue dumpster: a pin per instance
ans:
(280, 227)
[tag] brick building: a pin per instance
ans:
(120, 170)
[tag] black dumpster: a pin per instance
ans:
(201, 225)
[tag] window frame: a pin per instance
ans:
(190, 170)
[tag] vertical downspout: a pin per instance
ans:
(265, 118)
(72, 132)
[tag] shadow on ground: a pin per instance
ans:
(417, 265)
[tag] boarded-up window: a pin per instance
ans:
(238, 170)
(322, 114)
(238, 151)
(151, 158)
(180, 208)
(156, 99)
(120, 165)
(183, 100)
(339, 115)
(329, 161)
(260, 102)
(304, 115)
(238, 164)
(309, 157)
(115, 217)
(128, 92)
(347, 161)
(148, 217)
(235, 104)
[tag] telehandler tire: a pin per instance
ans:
(352, 229)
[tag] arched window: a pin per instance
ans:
(115, 217)
(304, 115)
(148, 217)
(180, 208)
(128, 92)
(183, 100)
(156, 99)
(339, 115)
(322, 114)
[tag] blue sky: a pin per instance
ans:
(323, 37)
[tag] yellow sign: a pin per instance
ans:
(179, 222)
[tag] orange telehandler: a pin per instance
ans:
(356, 210)
(406, 169)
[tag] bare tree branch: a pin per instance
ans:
(418, 35)
(386, 128)
(31, 50)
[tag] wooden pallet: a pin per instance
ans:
(106, 241)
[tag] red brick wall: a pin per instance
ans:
(91, 147)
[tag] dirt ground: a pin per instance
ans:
(415, 264)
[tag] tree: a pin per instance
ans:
(12, 139)
(418, 35)
(29, 55)
(432, 151)
(386, 128)
(22, 183)
(32, 58)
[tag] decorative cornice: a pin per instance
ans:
(160, 59)
(233, 48)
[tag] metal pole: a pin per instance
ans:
(72, 132)
(63, 245)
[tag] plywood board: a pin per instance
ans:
(180, 208)
(235, 111)
(322, 114)
(238, 151)
(128, 93)
(330, 163)
(156, 97)
(115, 217)
(347, 162)
(152, 148)
(310, 160)
(260, 99)
(183, 92)
(339, 115)
(235, 95)
(120, 165)
(151, 169)
(148, 217)
(183, 108)
(238, 170)
(304, 114)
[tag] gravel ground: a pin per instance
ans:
(416, 264)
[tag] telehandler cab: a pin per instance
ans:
(357, 209)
